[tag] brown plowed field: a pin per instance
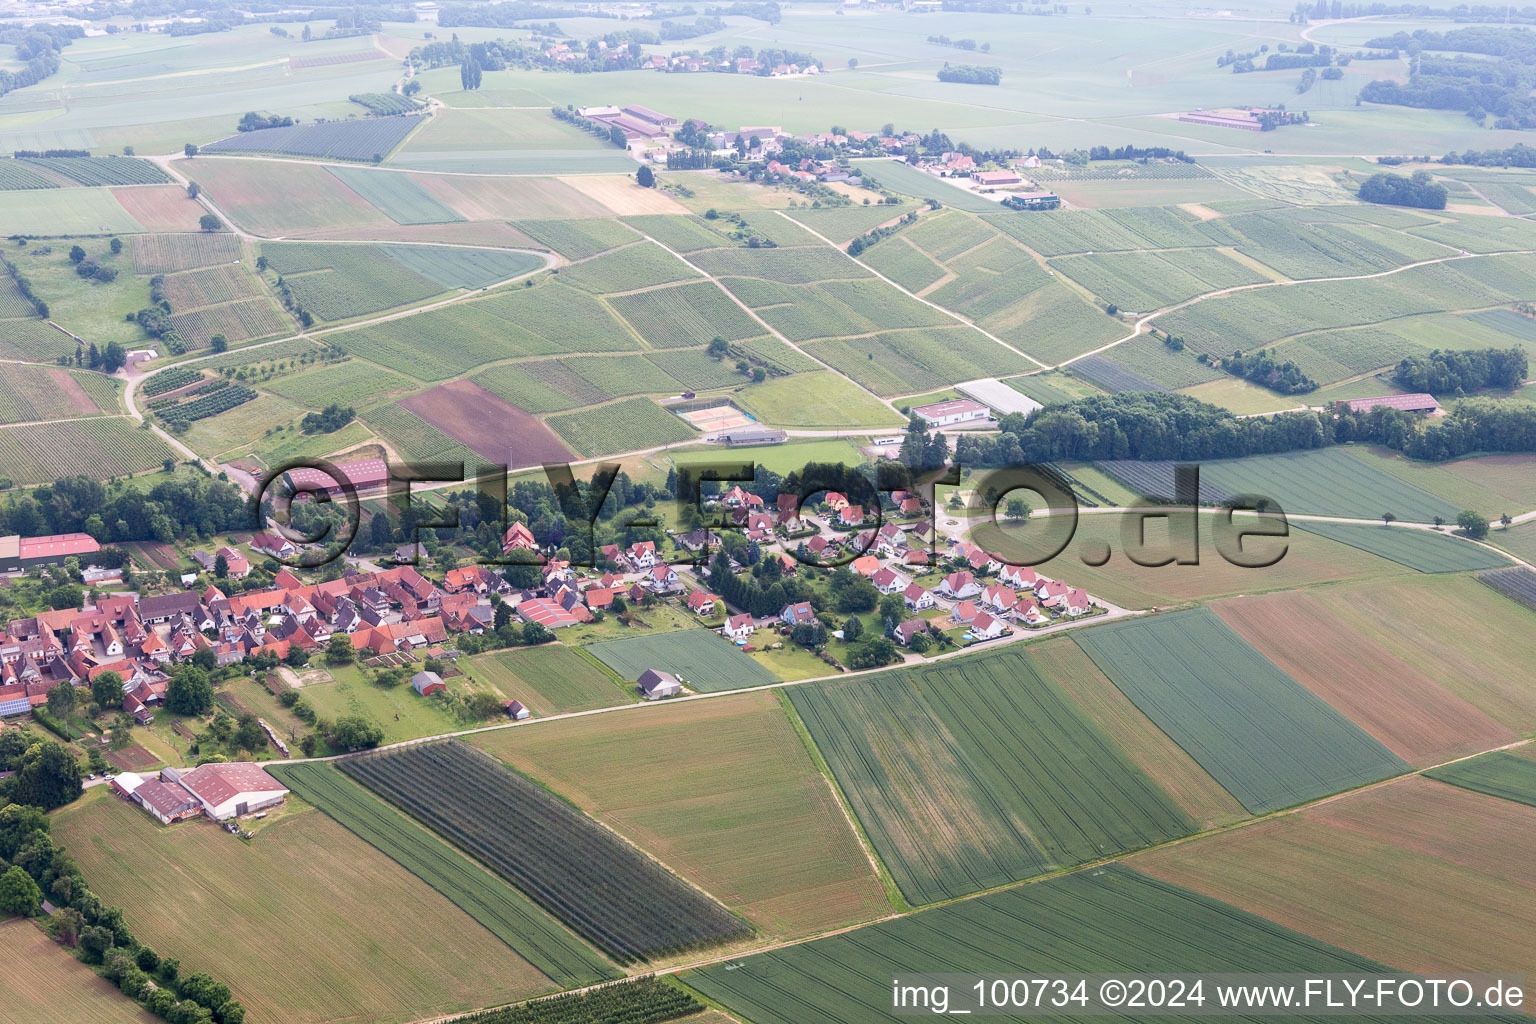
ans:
(1416, 874)
(487, 425)
(160, 207)
(72, 393)
(1390, 697)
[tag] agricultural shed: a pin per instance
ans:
(428, 683)
(998, 396)
(229, 790)
(655, 685)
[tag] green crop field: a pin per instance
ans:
(30, 393)
(1300, 251)
(398, 195)
(703, 660)
(1149, 280)
(492, 902)
(165, 254)
(775, 354)
(463, 268)
(802, 265)
(680, 234)
(1153, 361)
(242, 320)
(349, 383)
(539, 386)
(48, 983)
(841, 224)
(1326, 482)
(1481, 234)
(815, 400)
(551, 679)
(415, 438)
(1499, 774)
(378, 942)
(684, 316)
(445, 342)
(578, 239)
(636, 266)
(337, 282)
(1333, 356)
(1262, 735)
(696, 370)
(1093, 921)
(1422, 550)
(920, 360)
(101, 447)
(904, 263)
(626, 426)
(45, 213)
(1005, 779)
(746, 815)
(205, 287)
(619, 376)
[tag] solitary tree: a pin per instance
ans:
(107, 691)
(1017, 508)
(645, 177)
(116, 246)
(190, 150)
(61, 699)
(1473, 524)
(218, 342)
(193, 190)
(221, 567)
(19, 894)
(208, 222)
(76, 254)
(719, 347)
(1388, 518)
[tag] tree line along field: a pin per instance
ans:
(704, 661)
(746, 815)
(645, 1000)
(547, 319)
(625, 903)
(491, 901)
(1331, 870)
(1268, 740)
(1106, 919)
(1005, 779)
(377, 942)
(47, 982)
(99, 448)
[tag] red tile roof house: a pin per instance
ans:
(642, 555)
(988, 626)
(959, 584)
(887, 582)
(663, 579)
(702, 602)
(239, 568)
(963, 612)
(272, 544)
(738, 627)
(865, 565)
(518, 538)
(1077, 603)
(917, 597)
(1029, 613)
(850, 515)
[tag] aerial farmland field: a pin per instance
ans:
(628, 905)
(1321, 872)
(551, 679)
(49, 981)
(1501, 774)
(1097, 920)
(746, 816)
(1209, 690)
(101, 447)
(1399, 700)
(983, 808)
(1422, 550)
(702, 660)
(492, 902)
(359, 917)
